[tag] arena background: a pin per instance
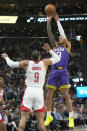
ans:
(25, 30)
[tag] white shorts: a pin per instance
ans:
(33, 98)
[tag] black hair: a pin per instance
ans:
(35, 55)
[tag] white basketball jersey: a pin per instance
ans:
(35, 74)
(1, 94)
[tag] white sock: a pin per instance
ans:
(48, 113)
(71, 114)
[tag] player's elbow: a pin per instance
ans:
(11, 65)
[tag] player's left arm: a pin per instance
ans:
(22, 64)
(62, 33)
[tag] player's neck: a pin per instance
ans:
(36, 62)
(61, 44)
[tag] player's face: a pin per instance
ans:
(60, 41)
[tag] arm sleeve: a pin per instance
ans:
(61, 31)
(11, 63)
(55, 58)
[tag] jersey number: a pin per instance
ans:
(59, 54)
(36, 77)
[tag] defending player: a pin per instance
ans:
(35, 74)
(59, 72)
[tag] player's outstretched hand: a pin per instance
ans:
(56, 17)
(4, 55)
(46, 47)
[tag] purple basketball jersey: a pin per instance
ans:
(64, 56)
(57, 76)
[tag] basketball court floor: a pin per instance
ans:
(77, 129)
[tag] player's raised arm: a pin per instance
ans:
(54, 59)
(50, 34)
(62, 33)
(22, 64)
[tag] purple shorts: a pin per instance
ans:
(58, 78)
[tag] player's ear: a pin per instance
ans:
(39, 57)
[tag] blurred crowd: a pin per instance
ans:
(15, 85)
(27, 9)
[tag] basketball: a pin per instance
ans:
(50, 9)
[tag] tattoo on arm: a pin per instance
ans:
(50, 34)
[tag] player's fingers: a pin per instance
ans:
(45, 45)
(1, 54)
(43, 48)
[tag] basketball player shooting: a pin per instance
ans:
(35, 77)
(59, 72)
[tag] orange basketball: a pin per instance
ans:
(50, 9)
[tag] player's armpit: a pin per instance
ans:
(55, 45)
(24, 64)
